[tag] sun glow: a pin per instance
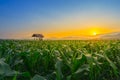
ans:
(94, 33)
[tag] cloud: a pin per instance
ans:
(115, 35)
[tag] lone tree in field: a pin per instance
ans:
(39, 36)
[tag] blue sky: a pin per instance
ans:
(21, 18)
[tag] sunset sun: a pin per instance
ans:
(94, 33)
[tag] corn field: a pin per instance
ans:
(60, 60)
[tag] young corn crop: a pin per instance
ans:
(60, 60)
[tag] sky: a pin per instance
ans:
(19, 19)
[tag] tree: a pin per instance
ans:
(39, 36)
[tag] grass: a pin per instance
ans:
(60, 60)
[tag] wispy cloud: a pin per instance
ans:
(115, 35)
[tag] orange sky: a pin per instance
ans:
(82, 32)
